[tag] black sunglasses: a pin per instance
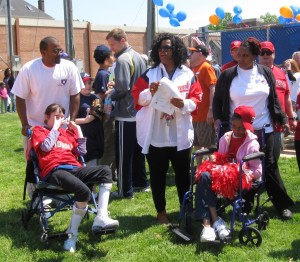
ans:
(165, 48)
(267, 52)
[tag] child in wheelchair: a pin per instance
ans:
(57, 150)
(235, 144)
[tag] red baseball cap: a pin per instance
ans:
(85, 77)
(267, 45)
(247, 114)
(235, 44)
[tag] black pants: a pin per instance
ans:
(129, 159)
(75, 180)
(273, 182)
(158, 160)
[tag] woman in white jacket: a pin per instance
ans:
(166, 135)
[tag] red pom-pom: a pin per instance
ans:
(224, 176)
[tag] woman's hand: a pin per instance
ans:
(153, 87)
(178, 102)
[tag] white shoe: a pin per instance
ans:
(70, 244)
(208, 234)
(221, 229)
(103, 222)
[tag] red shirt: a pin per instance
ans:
(228, 65)
(282, 90)
(60, 154)
(235, 143)
(297, 131)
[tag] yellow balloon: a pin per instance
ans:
(298, 17)
(286, 12)
(214, 19)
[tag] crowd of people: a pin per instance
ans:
(156, 109)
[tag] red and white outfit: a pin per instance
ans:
(166, 140)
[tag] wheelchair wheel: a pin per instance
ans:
(263, 221)
(250, 236)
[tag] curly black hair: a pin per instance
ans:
(253, 45)
(180, 53)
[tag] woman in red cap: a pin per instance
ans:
(235, 144)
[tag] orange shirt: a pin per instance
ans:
(206, 76)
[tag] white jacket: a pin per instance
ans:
(145, 116)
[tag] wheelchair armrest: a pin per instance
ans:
(205, 151)
(253, 156)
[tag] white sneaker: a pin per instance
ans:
(208, 234)
(70, 244)
(103, 222)
(221, 229)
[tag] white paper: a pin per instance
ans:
(163, 95)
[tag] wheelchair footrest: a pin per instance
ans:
(104, 231)
(59, 236)
(181, 233)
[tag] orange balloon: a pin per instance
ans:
(214, 19)
(298, 17)
(286, 12)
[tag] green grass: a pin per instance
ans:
(138, 238)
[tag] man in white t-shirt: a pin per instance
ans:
(43, 81)
(46, 80)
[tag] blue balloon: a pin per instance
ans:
(164, 12)
(170, 7)
(158, 2)
(237, 19)
(174, 22)
(237, 10)
(281, 20)
(295, 10)
(220, 12)
(172, 15)
(181, 16)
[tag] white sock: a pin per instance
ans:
(103, 198)
(77, 215)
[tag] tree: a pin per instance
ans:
(222, 24)
(269, 19)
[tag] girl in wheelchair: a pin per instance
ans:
(57, 150)
(235, 144)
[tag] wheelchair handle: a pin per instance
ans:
(205, 151)
(253, 156)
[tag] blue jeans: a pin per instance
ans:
(204, 197)
(12, 106)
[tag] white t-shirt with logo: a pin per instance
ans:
(41, 86)
(250, 88)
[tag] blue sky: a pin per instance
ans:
(134, 12)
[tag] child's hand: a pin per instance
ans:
(58, 122)
(212, 158)
(75, 128)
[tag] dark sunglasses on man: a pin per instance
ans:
(267, 52)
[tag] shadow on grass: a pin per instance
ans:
(21, 238)
(293, 253)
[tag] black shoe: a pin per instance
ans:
(286, 214)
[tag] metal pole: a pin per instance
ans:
(9, 24)
(150, 30)
(69, 37)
